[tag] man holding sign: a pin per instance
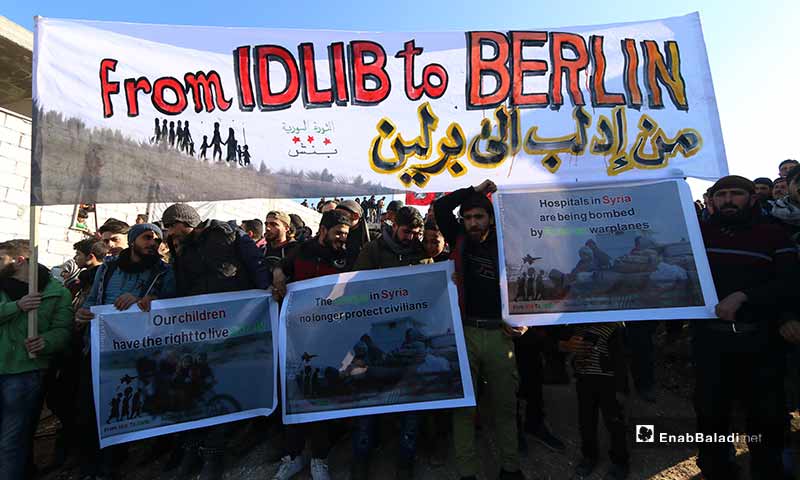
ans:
(25, 361)
(752, 263)
(489, 340)
(136, 276)
(402, 248)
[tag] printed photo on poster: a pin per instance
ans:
(188, 363)
(614, 252)
(373, 342)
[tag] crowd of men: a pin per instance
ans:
(371, 207)
(751, 231)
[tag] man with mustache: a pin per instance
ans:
(209, 256)
(322, 255)
(741, 353)
(114, 234)
(489, 340)
(22, 376)
(136, 276)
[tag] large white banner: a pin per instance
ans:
(372, 342)
(603, 253)
(127, 112)
(190, 362)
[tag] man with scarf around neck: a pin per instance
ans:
(209, 256)
(741, 353)
(399, 246)
(137, 276)
(490, 347)
(24, 361)
(400, 243)
(322, 255)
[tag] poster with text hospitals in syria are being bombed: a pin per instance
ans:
(605, 253)
(129, 112)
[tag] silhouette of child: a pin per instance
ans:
(204, 147)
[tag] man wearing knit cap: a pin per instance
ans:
(740, 354)
(136, 276)
(359, 233)
(490, 347)
(209, 256)
(391, 211)
(276, 232)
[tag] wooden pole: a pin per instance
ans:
(33, 270)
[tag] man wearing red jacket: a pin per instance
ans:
(489, 341)
(741, 354)
(321, 255)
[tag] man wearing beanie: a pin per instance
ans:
(209, 256)
(751, 263)
(137, 276)
(489, 341)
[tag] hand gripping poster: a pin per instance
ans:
(180, 113)
(602, 253)
(371, 342)
(190, 362)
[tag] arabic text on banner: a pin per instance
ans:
(372, 342)
(204, 113)
(189, 363)
(616, 252)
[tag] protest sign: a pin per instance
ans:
(207, 113)
(371, 342)
(602, 253)
(190, 362)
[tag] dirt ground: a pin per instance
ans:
(672, 412)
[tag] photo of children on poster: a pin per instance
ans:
(373, 342)
(181, 365)
(605, 249)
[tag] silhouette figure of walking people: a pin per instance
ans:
(179, 136)
(204, 147)
(216, 142)
(164, 132)
(188, 143)
(171, 134)
(114, 415)
(157, 135)
(231, 143)
(246, 156)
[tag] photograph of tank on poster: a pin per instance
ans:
(625, 250)
(373, 342)
(183, 367)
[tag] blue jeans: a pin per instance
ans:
(365, 436)
(20, 405)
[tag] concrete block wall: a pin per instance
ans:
(55, 236)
